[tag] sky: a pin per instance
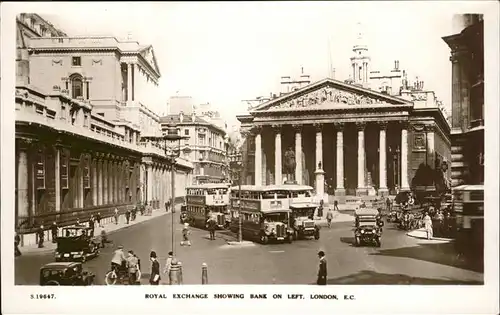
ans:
(223, 53)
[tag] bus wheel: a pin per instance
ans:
(264, 239)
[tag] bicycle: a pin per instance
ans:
(112, 276)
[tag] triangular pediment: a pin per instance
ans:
(148, 54)
(328, 93)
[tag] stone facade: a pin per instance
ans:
(467, 133)
(79, 123)
(205, 146)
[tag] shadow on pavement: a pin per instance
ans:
(347, 240)
(444, 254)
(375, 278)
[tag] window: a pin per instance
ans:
(186, 132)
(76, 86)
(40, 170)
(86, 173)
(76, 61)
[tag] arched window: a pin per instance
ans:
(76, 86)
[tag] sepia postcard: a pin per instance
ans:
(242, 157)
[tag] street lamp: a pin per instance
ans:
(172, 148)
(236, 166)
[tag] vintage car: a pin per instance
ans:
(76, 244)
(302, 223)
(368, 227)
(65, 273)
(274, 226)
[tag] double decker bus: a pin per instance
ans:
(468, 208)
(205, 201)
(265, 211)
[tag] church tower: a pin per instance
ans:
(360, 61)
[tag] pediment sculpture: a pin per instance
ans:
(326, 95)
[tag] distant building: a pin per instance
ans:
(80, 115)
(368, 135)
(205, 147)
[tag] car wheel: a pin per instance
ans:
(377, 242)
(264, 239)
(52, 282)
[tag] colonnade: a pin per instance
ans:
(319, 163)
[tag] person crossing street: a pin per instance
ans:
(185, 235)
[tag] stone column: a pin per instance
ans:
(278, 179)
(105, 182)
(111, 179)
(129, 82)
(429, 134)
(258, 157)
(22, 182)
(383, 191)
(149, 183)
(339, 189)
(404, 157)
(100, 187)
(94, 182)
(81, 190)
(319, 173)
(57, 178)
(361, 191)
(298, 154)
(116, 169)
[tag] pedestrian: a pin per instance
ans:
(116, 216)
(104, 238)
(363, 205)
(53, 229)
(134, 213)
(155, 269)
(211, 227)
(329, 217)
(40, 236)
(91, 225)
(17, 241)
(185, 235)
(440, 217)
(428, 225)
(168, 264)
(77, 222)
(320, 209)
(322, 272)
(388, 204)
(98, 219)
(127, 215)
(132, 265)
(142, 209)
(335, 205)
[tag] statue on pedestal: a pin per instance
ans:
(290, 164)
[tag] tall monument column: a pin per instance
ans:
(319, 173)
(404, 157)
(258, 157)
(383, 191)
(278, 179)
(298, 154)
(339, 188)
(361, 191)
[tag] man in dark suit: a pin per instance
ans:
(155, 269)
(322, 268)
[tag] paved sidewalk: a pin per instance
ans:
(109, 228)
(422, 234)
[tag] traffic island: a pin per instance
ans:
(422, 234)
(241, 244)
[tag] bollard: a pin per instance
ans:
(175, 274)
(204, 274)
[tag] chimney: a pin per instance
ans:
(396, 64)
(193, 117)
(181, 116)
